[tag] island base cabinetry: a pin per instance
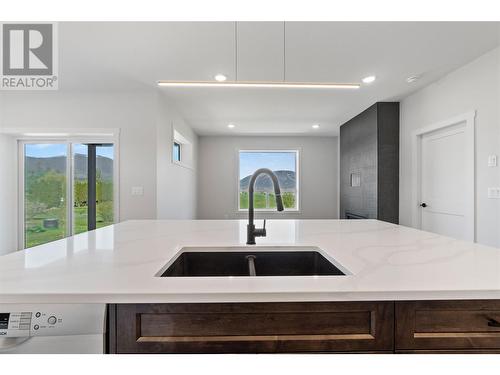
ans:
(448, 326)
(377, 327)
(252, 327)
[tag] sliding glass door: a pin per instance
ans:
(57, 173)
(93, 186)
(45, 192)
(80, 188)
(104, 213)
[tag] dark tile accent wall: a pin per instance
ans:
(369, 146)
(388, 162)
(358, 154)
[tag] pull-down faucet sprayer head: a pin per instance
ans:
(252, 232)
(279, 200)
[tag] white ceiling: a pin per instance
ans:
(133, 56)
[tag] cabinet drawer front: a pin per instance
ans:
(261, 327)
(447, 325)
(255, 324)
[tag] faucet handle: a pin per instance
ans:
(263, 232)
(260, 232)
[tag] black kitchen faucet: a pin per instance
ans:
(253, 232)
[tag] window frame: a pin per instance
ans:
(70, 137)
(298, 205)
(186, 150)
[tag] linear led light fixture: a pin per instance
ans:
(264, 84)
(46, 134)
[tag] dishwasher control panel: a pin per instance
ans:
(50, 319)
(15, 324)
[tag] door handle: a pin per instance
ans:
(423, 205)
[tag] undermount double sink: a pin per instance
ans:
(244, 261)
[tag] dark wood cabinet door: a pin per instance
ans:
(255, 327)
(448, 325)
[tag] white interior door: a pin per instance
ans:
(444, 185)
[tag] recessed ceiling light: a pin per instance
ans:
(231, 126)
(263, 84)
(369, 79)
(315, 126)
(220, 77)
(412, 79)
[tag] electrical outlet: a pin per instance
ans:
(494, 192)
(137, 190)
(492, 161)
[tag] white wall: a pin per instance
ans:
(145, 121)
(8, 194)
(218, 175)
(176, 184)
(134, 114)
(475, 86)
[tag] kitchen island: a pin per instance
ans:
(404, 290)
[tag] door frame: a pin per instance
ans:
(469, 169)
(69, 137)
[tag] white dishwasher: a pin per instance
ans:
(52, 328)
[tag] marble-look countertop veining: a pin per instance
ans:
(117, 264)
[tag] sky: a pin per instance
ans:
(275, 161)
(40, 150)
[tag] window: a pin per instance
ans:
(177, 152)
(68, 188)
(182, 150)
(284, 163)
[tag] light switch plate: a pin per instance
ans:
(492, 161)
(494, 192)
(137, 190)
(355, 179)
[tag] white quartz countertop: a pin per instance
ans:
(118, 264)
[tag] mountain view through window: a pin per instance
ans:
(283, 164)
(46, 186)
